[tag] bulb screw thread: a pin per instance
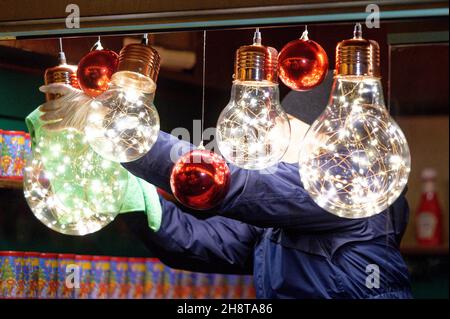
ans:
(358, 56)
(256, 62)
(140, 58)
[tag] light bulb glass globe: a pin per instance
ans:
(253, 131)
(355, 160)
(123, 123)
(69, 187)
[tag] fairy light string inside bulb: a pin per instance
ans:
(251, 128)
(123, 123)
(69, 187)
(355, 160)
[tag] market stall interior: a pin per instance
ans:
(414, 69)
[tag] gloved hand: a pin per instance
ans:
(70, 110)
(152, 205)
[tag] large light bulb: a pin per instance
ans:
(69, 187)
(253, 131)
(354, 160)
(123, 123)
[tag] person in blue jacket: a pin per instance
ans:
(268, 226)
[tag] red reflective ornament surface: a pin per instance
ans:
(303, 64)
(200, 179)
(95, 70)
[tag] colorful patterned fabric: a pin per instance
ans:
(47, 276)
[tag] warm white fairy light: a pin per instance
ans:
(354, 160)
(253, 131)
(69, 187)
(123, 123)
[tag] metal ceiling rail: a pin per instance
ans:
(223, 18)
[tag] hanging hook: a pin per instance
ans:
(203, 88)
(60, 45)
(97, 45)
(305, 34)
(61, 54)
(257, 37)
(357, 32)
(145, 39)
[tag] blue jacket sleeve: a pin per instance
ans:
(271, 198)
(214, 245)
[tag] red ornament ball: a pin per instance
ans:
(303, 64)
(200, 179)
(95, 70)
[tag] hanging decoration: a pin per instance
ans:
(354, 160)
(96, 68)
(123, 123)
(200, 178)
(253, 131)
(303, 64)
(69, 187)
(62, 73)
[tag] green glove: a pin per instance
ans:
(138, 196)
(151, 203)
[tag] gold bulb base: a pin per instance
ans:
(358, 56)
(63, 73)
(256, 63)
(140, 58)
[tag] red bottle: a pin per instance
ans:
(429, 214)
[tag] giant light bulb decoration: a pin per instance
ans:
(123, 123)
(69, 187)
(354, 160)
(253, 131)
